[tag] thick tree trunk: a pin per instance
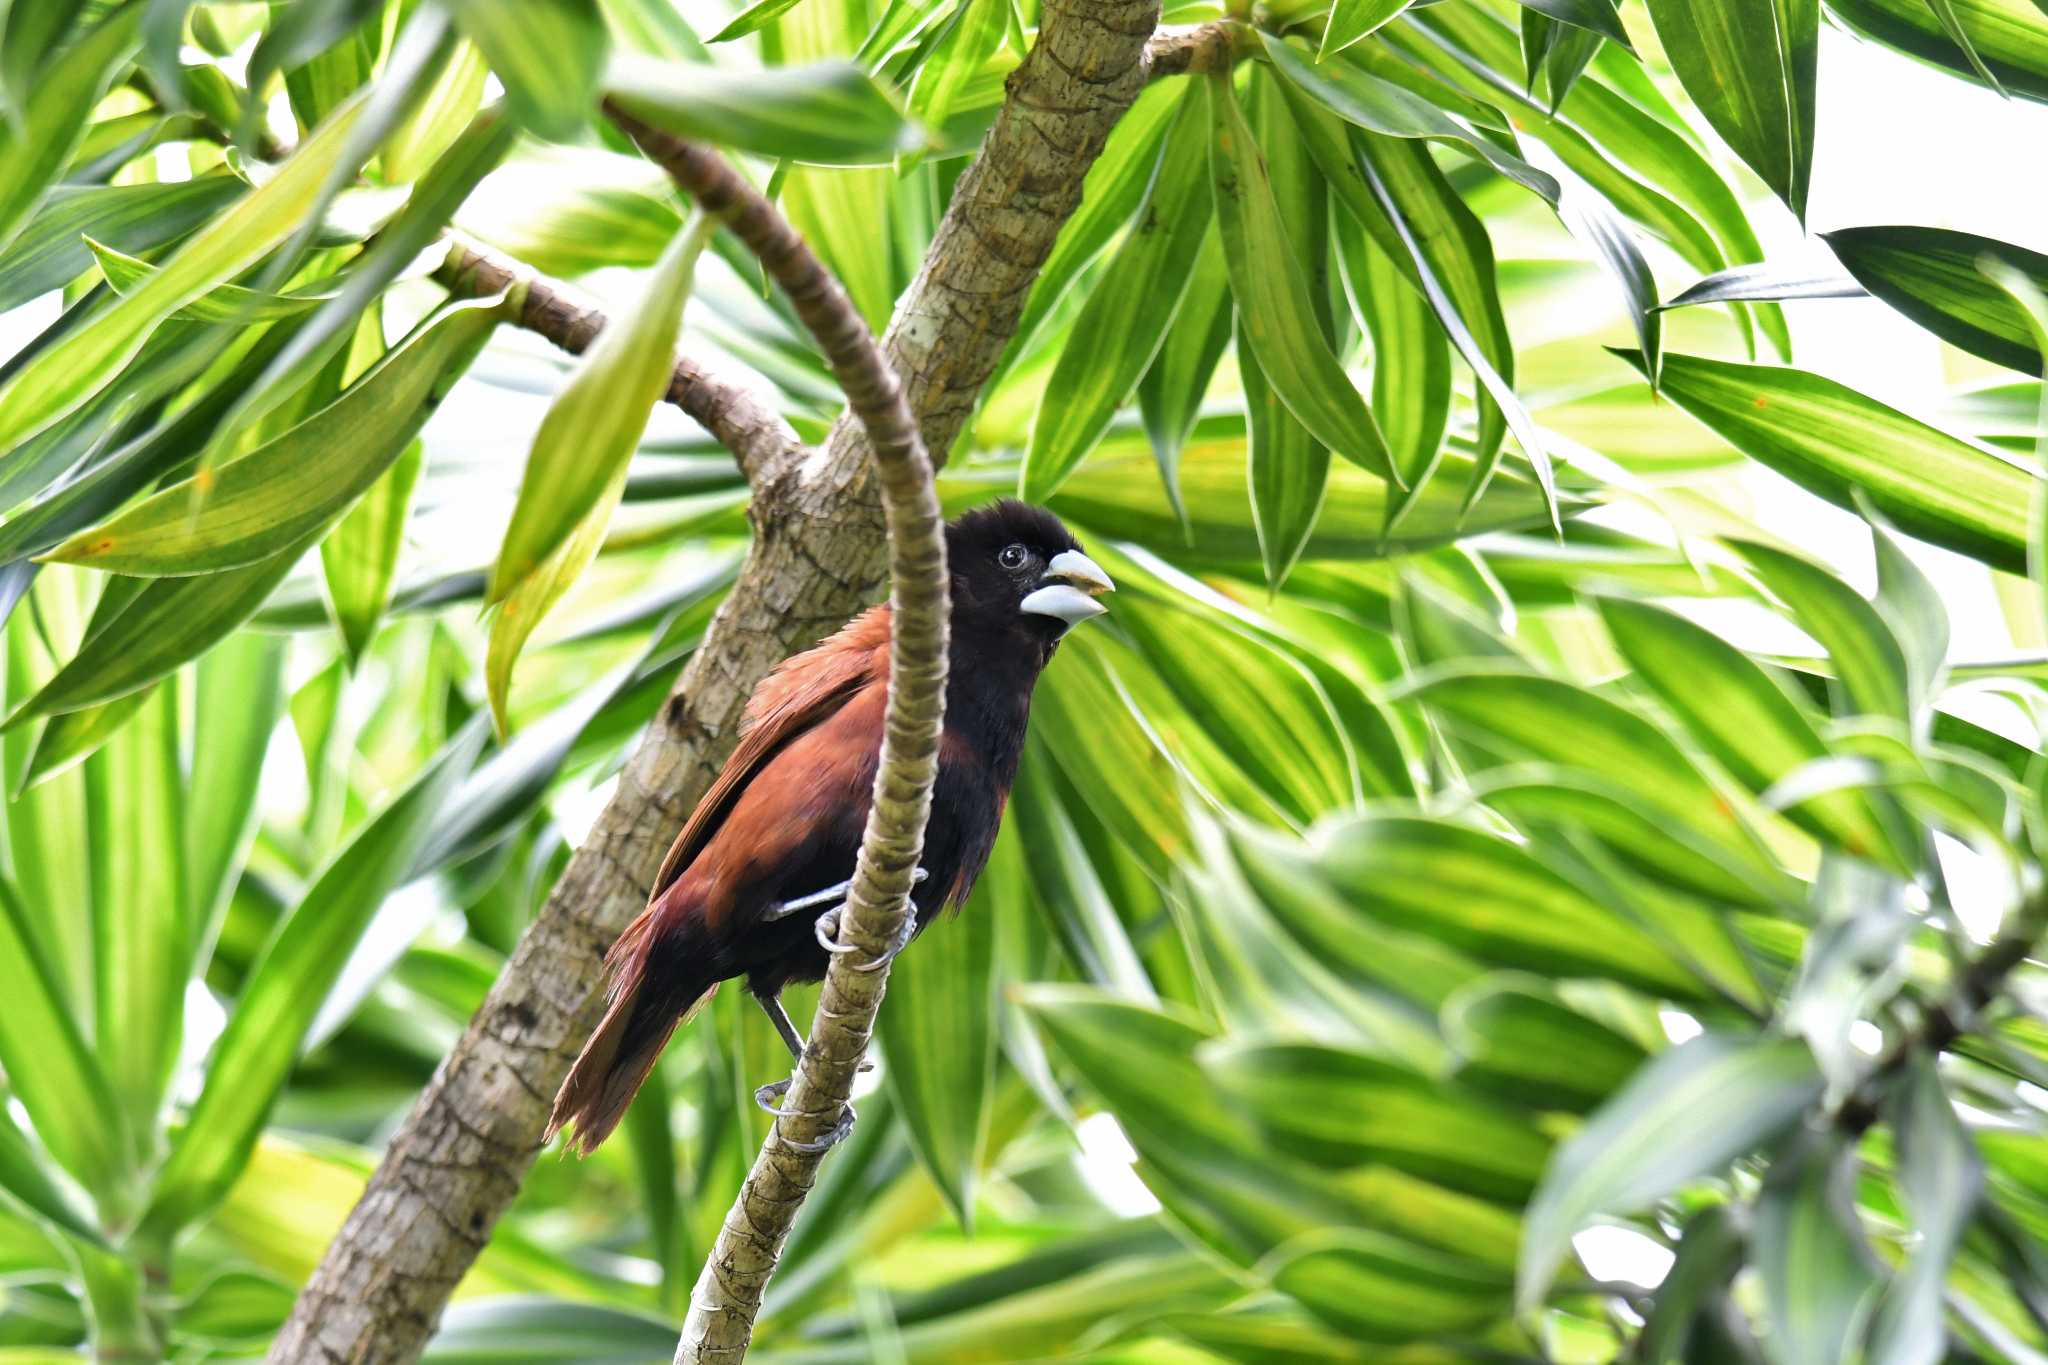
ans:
(817, 556)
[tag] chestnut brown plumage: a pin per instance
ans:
(740, 891)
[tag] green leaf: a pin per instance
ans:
(1593, 221)
(171, 621)
(1411, 358)
(58, 380)
(1646, 169)
(1594, 16)
(55, 114)
(1447, 882)
(229, 303)
(1068, 888)
(1453, 260)
(1748, 282)
(828, 113)
(1687, 1114)
(51, 249)
(50, 1068)
(134, 802)
(1130, 314)
(448, 108)
(319, 47)
(1171, 392)
(1274, 305)
(1381, 107)
(590, 430)
(964, 47)
(1941, 1176)
(1516, 1037)
(433, 201)
(1745, 719)
(1288, 470)
(1817, 1277)
(359, 557)
(1912, 606)
(237, 699)
(2010, 37)
(533, 596)
(1933, 276)
(291, 488)
(1382, 1288)
(550, 54)
(1116, 494)
(71, 738)
(752, 19)
(23, 1176)
(1340, 1108)
(286, 988)
(1837, 442)
(1866, 655)
(1351, 20)
(1567, 56)
(1750, 66)
(939, 1049)
(1523, 716)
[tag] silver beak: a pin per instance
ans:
(1072, 583)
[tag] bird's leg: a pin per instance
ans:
(826, 928)
(771, 1005)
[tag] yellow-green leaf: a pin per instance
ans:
(60, 379)
(590, 430)
(1131, 311)
(289, 489)
(1272, 293)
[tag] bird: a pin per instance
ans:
(753, 883)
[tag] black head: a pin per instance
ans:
(1016, 568)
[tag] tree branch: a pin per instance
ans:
(739, 421)
(1195, 51)
(457, 1160)
(728, 1292)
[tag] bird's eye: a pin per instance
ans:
(1012, 556)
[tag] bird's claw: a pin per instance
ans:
(826, 930)
(841, 1130)
(904, 933)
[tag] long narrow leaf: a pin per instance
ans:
(592, 427)
(63, 377)
(285, 991)
(291, 488)
(1273, 297)
(1129, 316)
(1839, 443)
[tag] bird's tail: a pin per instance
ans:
(647, 1000)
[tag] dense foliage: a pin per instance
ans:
(1405, 866)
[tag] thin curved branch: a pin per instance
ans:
(456, 1162)
(728, 1293)
(739, 421)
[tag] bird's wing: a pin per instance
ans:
(801, 693)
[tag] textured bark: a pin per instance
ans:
(816, 557)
